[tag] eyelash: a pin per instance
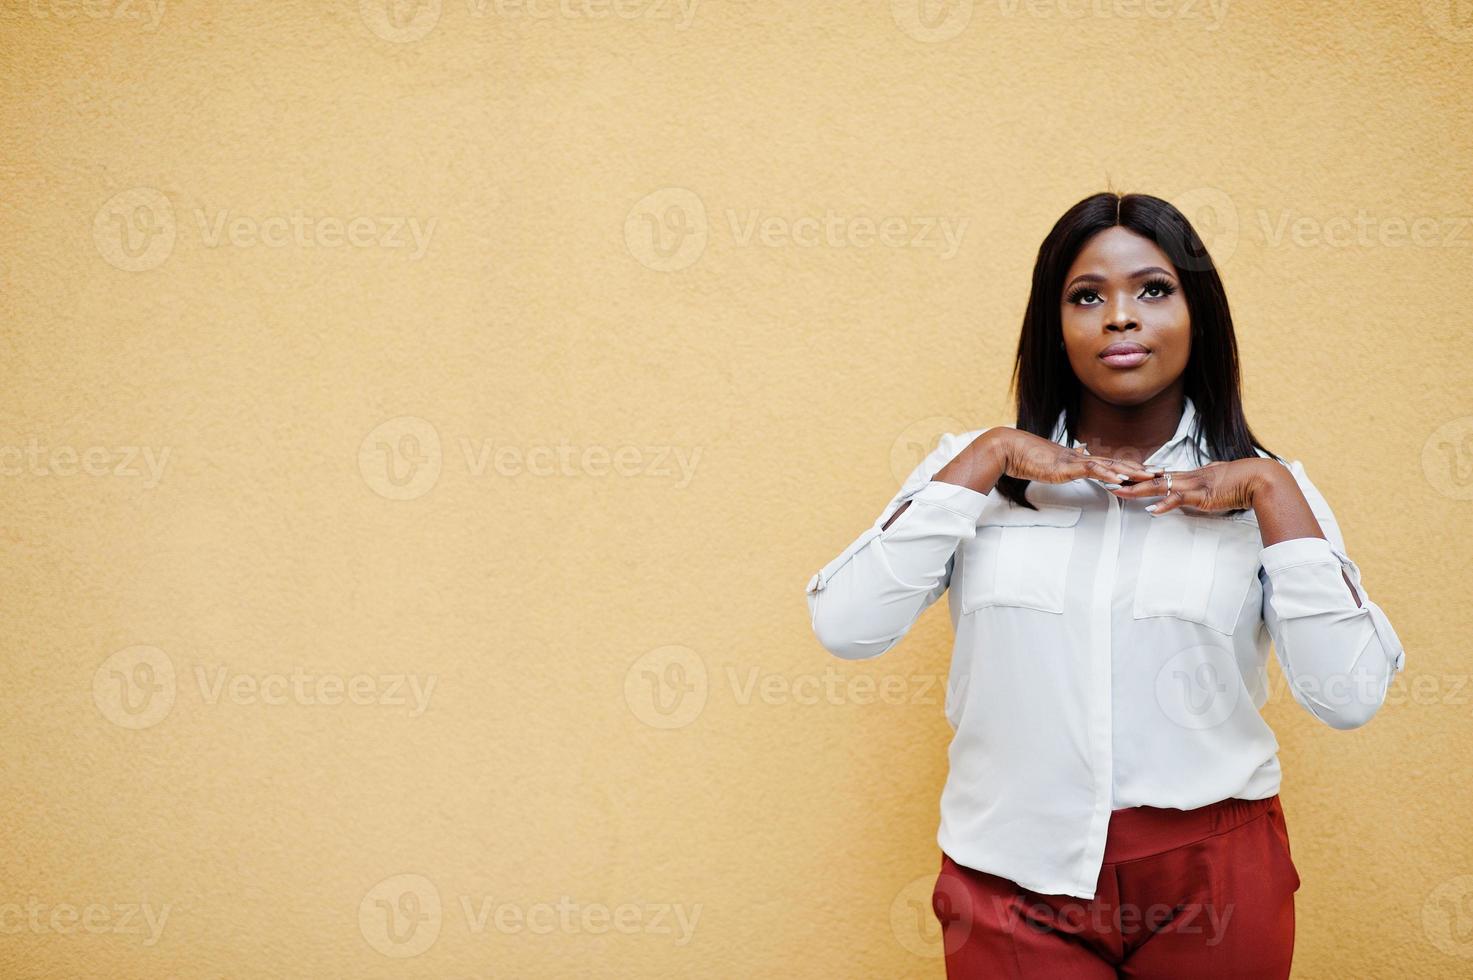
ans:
(1165, 287)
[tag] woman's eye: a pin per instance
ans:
(1157, 289)
(1079, 296)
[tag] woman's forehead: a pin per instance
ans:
(1118, 251)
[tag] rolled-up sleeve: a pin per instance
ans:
(864, 600)
(1337, 656)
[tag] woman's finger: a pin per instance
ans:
(1134, 471)
(1172, 501)
(1187, 482)
(1124, 470)
(1153, 487)
(1107, 470)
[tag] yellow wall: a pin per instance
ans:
(349, 426)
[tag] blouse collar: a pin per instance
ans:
(1185, 432)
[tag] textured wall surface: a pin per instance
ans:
(420, 420)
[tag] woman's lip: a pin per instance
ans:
(1126, 359)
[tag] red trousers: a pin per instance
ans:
(1201, 894)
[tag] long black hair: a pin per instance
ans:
(1046, 385)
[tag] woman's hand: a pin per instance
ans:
(1029, 457)
(1218, 486)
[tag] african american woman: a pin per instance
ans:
(1119, 562)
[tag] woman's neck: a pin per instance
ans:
(1129, 431)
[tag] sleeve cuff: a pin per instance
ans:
(962, 501)
(822, 576)
(1296, 551)
(953, 497)
(1315, 551)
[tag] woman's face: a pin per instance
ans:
(1126, 327)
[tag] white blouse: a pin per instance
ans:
(1104, 658)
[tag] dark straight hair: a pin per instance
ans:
(1044, 382)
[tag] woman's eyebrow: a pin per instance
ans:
(1139, 273)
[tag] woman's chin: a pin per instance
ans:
(1126, 394)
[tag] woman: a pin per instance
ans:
(1118, 563)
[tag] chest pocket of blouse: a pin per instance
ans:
(1198, 568)
(1019, 557)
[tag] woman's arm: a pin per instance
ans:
(1284, 513)
(1336, 646)
(868, 597)
(863, 601)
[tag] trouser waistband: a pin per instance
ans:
(1141, 831)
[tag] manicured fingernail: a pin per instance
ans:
(1151, 508)
(1121, 477)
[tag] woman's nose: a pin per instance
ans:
(1120, 316)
